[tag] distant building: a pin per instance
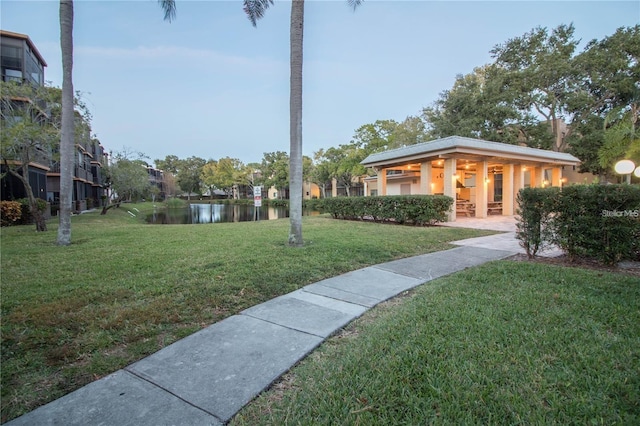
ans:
(157, 183)
(22, 63)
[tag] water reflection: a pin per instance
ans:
(217, 213)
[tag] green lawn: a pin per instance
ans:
(504, 343)
(125, 289)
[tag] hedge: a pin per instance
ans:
(410, 209)
(595, 221)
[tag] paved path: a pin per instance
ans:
(504, 241)
(206, 378)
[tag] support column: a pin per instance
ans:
(366, 188)
(556, 176)
(539, 178)
(450, 185)
(425, 178)
(382, 181)
(507, 190)
(532, 176)
(518, 183)
(334, 188)
(481, 189)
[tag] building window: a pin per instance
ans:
(11, 57)
(34, 70)
(12, 75)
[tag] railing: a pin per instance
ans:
(79, 172)
(9, 78)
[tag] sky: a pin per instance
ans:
(211, 85)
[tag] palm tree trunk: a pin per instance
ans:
(67, 145)
(295, 111)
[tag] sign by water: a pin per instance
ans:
(257, 196)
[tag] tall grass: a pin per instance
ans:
(175, 203)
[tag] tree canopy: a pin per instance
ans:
(223, 174)
(275, 170)
(128, 175)
(541, 92)
(187, 172)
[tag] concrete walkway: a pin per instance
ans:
(206, 378)
(505, 241)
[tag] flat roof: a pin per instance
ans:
(461, 146)
(25, 37)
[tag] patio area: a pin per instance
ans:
(493, 223)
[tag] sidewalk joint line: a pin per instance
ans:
(344, 291)
(287, 327)
(339, 300)
(141, 377)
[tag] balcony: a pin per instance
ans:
(83, 174)
(78, 172)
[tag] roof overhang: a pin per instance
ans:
(468, 149)
(18, 36)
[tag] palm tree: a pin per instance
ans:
(255, 9)
(67, 145)
(169, 8)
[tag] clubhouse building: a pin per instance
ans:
(483, 177)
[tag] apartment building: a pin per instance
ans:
(21, 63)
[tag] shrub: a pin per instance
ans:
(314, 204)
(533, 229)
(276, 203)
(10, 212)
(26, 217)
(413, 209)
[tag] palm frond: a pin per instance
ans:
(169, 8)
(354, 3)
(255, 9)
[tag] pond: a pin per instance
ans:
(218, 213)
